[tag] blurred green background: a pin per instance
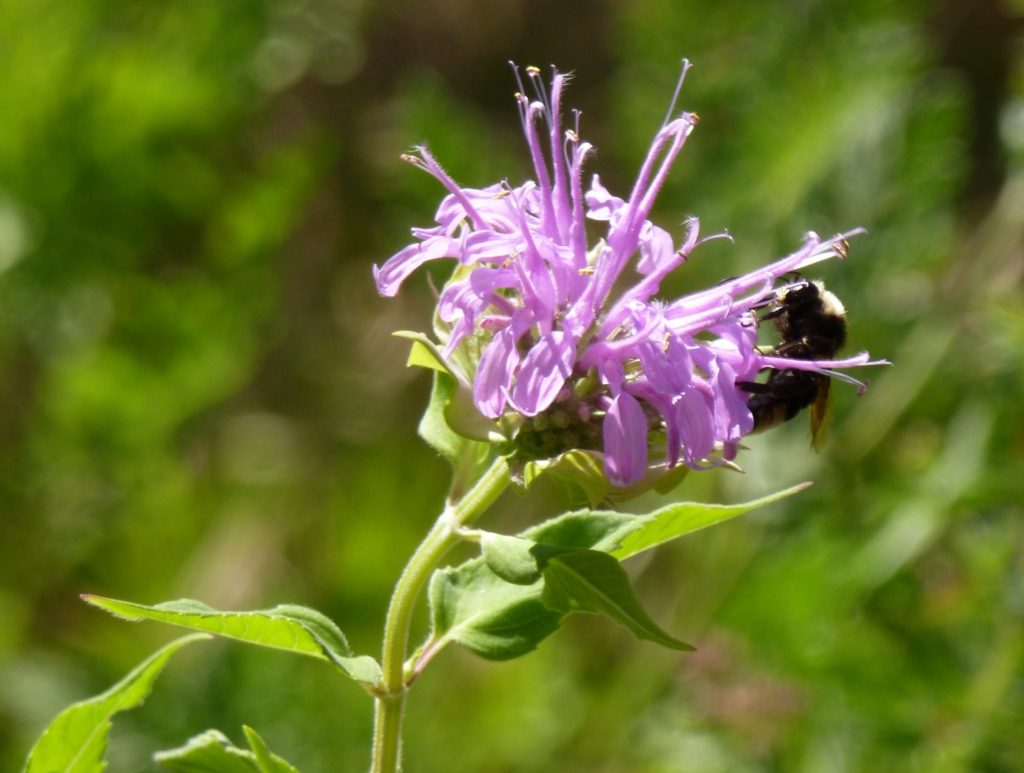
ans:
(199, 395)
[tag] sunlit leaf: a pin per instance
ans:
(213, 752)
(423, 353)
(76, 740)
(286, 627)
(592, 581)
(677, 520)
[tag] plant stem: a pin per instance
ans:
(439, 540)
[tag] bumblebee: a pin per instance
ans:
(812, 326)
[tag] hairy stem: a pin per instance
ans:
(439, 540)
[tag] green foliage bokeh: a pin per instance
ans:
(199, 395)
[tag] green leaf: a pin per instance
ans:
(670, 479)
(423, 353)
(484, 604)
(676, 520)
(500, 619)
(451, 419)
(496, 620)
(597, 529)
(76, 740)
(465, 420)
(583, 469)
(213, 752)
(592, 581)
(210, 752)
(267, 761)
(433, 427)
(511, 558)
(286, 627)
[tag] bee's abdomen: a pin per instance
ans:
(783, 396)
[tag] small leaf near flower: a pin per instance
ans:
(423, 353)
(584, 469)
(451, 425)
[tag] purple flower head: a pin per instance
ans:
(552, 355)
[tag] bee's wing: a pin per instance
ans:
(821, 414)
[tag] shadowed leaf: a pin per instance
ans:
(497, 620)
(511, 558)
(591, 581)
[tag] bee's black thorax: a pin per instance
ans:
(811, 323)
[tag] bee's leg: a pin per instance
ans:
(795, 350)
(754, 387)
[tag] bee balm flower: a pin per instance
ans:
(532, 325)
